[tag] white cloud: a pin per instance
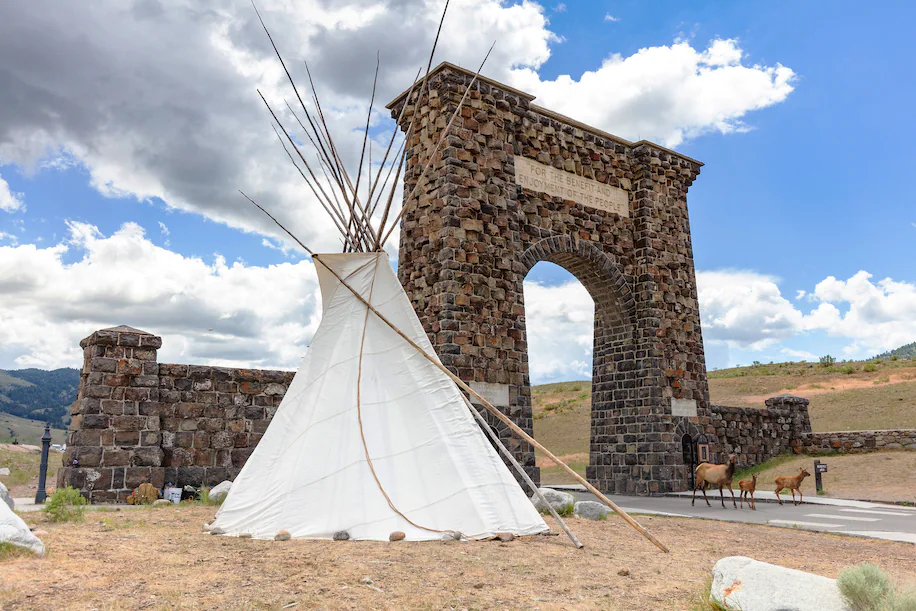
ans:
(609, 17)
(745, 309)
(163, 229)
(560, 8)
(560, 331)
(799, 354)
(667, 94)
(127, 90)
(10, 201)
(800, 295)
(9, 236)
(217, 313)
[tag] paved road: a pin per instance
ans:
(882, 521)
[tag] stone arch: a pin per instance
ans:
(514, 184)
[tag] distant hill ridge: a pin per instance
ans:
(903, 352)
(38, 394)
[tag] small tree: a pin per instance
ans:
(827, 360)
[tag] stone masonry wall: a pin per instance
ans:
(136, 420)
(857, 442)
(756, 435)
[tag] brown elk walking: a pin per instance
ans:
(792, 483)
(717, 475)
(748, 486)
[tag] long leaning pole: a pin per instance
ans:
(521, 471)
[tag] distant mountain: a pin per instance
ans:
(903, 352)
(39, 395)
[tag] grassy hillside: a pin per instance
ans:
(38, 394)
(26, 431)
(877, 394)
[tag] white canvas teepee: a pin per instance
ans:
(371, 437)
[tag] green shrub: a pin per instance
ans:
(848, 369)
(66, 505)
(866, 587)
(827, 360)
(869, 367)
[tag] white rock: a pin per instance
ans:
(560, 501)
(591, 510)
(219, 492)
(6, 498)
(4, 471)
(14, 530)
(749, 585)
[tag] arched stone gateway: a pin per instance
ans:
(515, 184)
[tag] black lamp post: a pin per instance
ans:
(41, 495)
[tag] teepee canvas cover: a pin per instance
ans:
(368, 416)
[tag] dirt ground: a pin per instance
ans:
(880, 476)
(159, 559)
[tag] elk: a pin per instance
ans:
(717, 475)
(792, 483)
(748, 486)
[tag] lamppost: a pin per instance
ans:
(41, 495)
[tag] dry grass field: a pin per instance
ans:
(844, 396)
(159, 559)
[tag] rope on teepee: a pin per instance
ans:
(359, 413)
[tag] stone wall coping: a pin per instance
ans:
(752, 410)
(123, 336)
(544, 111)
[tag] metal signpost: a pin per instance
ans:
(41, 495)
(819, 468)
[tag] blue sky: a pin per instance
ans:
(127, 131)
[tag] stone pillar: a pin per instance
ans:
(115, 433)
(798, 429)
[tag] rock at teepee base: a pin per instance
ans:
(749, 585)
(219, 492)
(245, 536)
(396, 536)
(283, 535)
(341, 536)
(561, 501)
(505, 537)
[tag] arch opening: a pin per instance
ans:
(579, 418)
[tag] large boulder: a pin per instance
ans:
(591, 510)
(219, 492)
(562, 502)
(5, 497)
(749, 585)
(14, 531)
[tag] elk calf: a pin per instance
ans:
(748, 486)
(717, 475)
(792, 483)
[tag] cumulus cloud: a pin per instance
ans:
(745, 309)
(560, 330)
(9, 201)
(609, 17)
(799, 354)
(207, 312)
(157, 98)
(668, 93)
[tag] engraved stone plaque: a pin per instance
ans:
(683, 407)
(559, 183)
(496, 394)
